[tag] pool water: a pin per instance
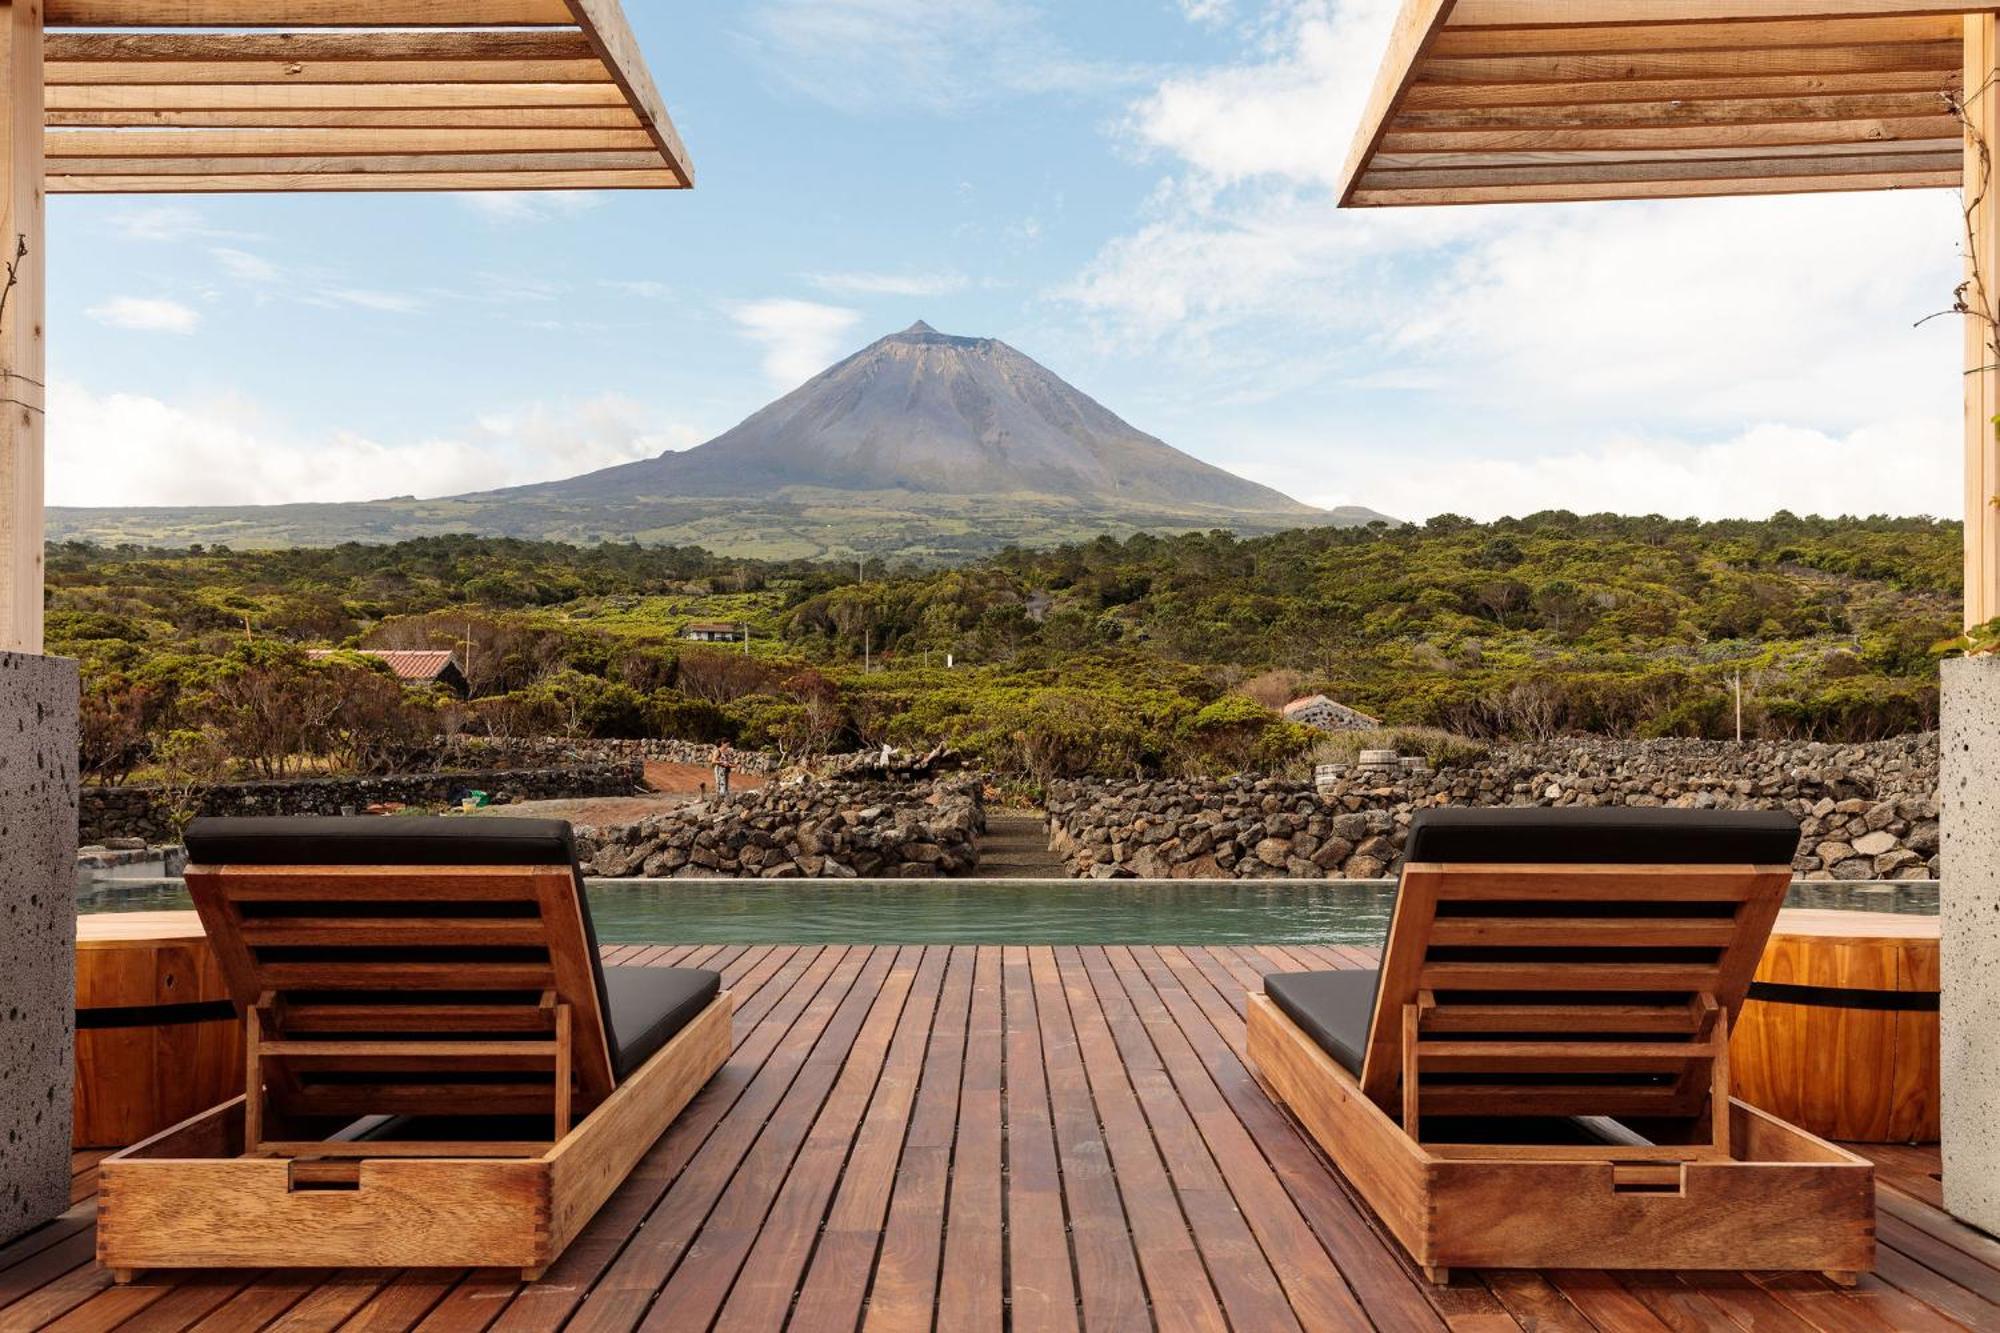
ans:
(1067, 911)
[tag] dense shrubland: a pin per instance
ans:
(1112, 657)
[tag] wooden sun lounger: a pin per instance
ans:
(1538, 1076)
(440, 1071)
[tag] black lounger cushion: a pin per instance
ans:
(1608, 835)
(649, 1005)
(1333, 1008)
(639, 1016)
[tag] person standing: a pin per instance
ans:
(725, 764)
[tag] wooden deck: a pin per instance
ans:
(950, 1138)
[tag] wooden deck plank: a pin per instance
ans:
(1109, 1287)
(1312, 1281)
(260, 1303)
(778, 984)
(1176, 1279)
(1041, 1286)
(971, 1287)
(834, 1194)
(821, 1109)
(904, 1138)
(904, 1287)
(1251, 1293)
(788, 1084)
(1391, 1293)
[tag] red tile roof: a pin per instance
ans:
(406, 663)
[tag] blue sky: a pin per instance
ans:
(1136, 192)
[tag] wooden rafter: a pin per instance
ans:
(351, 94)
(1505, 100)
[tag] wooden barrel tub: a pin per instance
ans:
(157, 1039)
(1839, 1034)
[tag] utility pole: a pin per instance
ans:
(1737, 681)
(867, 651)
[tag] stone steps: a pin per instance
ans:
(1015, 845)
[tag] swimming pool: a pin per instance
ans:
(961, 911)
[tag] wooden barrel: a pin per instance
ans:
(1840, 1032)
(157, 1039)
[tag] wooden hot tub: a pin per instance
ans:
(1840, 1031)
(157, 1038)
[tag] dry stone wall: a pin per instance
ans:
(833, 830)
(1866, 811)
(117, 814)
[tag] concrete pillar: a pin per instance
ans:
(38, 737)
(1969, 807)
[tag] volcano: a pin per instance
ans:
(920, 445)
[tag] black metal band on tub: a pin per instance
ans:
(154, 1015)
(1845, 997)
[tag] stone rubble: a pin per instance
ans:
(1867, 811)
(830, 830)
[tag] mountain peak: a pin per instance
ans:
(923, 413)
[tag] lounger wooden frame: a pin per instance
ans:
(1688, 1177)
(258, 1182)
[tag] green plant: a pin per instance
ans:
(1975, 642)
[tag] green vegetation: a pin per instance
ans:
(1109, 656)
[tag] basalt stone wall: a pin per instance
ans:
(1866, 811)
(146, 812)
(836, 830)
(496, 752)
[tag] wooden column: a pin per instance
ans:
(22, 346)
(1982, 374)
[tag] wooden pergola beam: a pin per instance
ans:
(604, 22)
(1575, 13)
(220, 73)
(1982, 364)
(333, 96)
(67, 146)
(313, 182)
(304, 13)
(23, 349)
(468, 118)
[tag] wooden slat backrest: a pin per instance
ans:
(1564, 989)
(359, 958)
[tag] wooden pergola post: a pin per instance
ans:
(1982, 337)
(22, 316)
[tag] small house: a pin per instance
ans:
(412, 666)
(1316, 710)
(712, 631)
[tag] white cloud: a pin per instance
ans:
(645, 288)
(876, 55)
(1609, 350)
(943, 282)
(800, 338)
(144, 314)
(365, 298)
(244, 266)
(515, 206)
(1899, 467)
(169, 222)
(130, 449)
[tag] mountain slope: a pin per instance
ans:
(932, 414)
(920, 445)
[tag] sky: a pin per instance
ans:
(1137, 193)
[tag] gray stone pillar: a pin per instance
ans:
(38, 739)
(1969, 885)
